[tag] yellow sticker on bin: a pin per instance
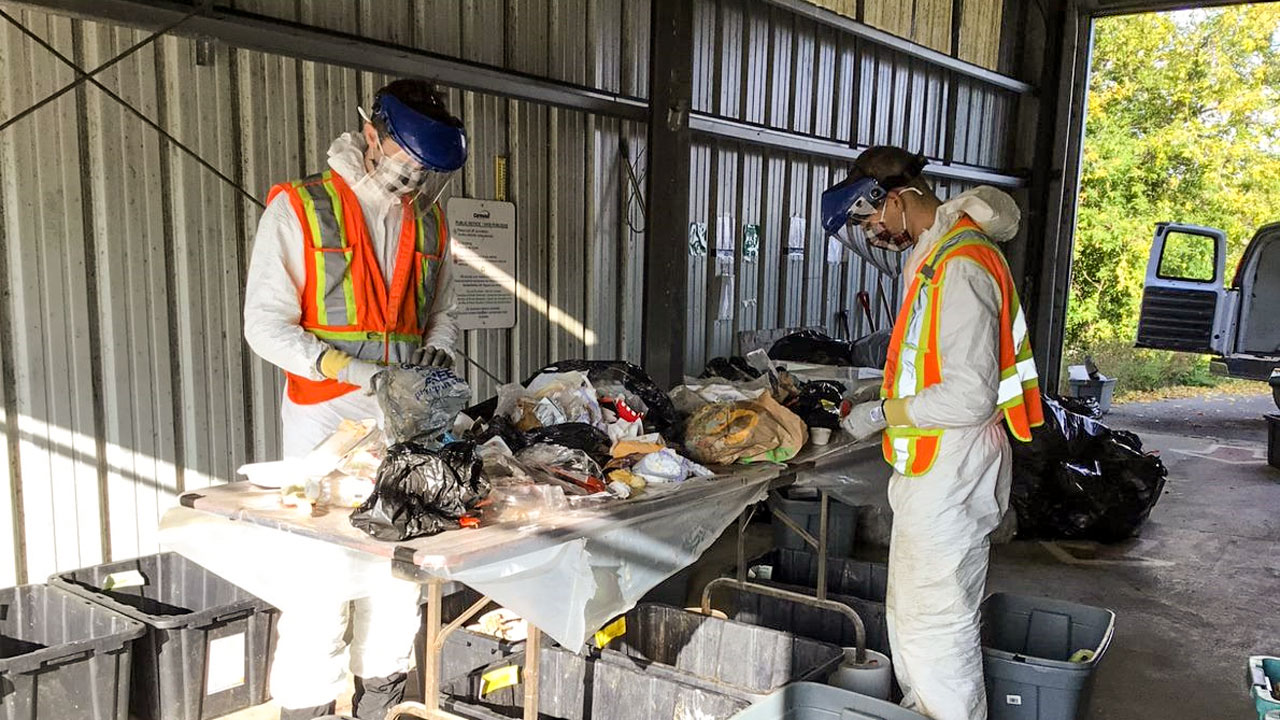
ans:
(611, 632)
(499, 678)
(123, 579)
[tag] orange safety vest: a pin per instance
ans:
(346, 302)
(914, 363)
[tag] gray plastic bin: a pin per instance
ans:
(62, 657)
(858, 584)
(722, 655)
(1100, 390)
(811, 701)
(582, 687)
(1026, 645)
(207, 649)
(842, 523)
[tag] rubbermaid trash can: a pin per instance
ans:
(62, 657)
(842, 523)
(207, 649)
(1028, 647)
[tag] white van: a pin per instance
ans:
(1187, 305)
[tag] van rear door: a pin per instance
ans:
(1184, 304)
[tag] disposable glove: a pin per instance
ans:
(865, 420)
(337, 365)
(433, 357)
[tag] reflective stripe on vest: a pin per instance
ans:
(346, 301)
(914, 362)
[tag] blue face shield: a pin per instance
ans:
(438, 145)
(846, 206)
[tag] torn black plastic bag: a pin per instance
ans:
(818, 403)
(577, 436)
(422, 492)
(1080, 480)
(811, 346)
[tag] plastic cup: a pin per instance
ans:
(820, 436)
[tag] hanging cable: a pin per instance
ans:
(138, 113)
(634, 194)
(480, 367)
(89, 75)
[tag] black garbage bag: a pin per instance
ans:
(871, 351)
(576, 436)
(498, 426)
(422, 492)
(660, 414)
(811, 346)
(1080, 480)
(734, 369)
(818, 403)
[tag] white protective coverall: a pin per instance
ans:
(939, 548)
(311, 655)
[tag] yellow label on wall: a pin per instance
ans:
(611, 632)
(502, 677)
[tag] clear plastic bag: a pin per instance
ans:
(421, 403)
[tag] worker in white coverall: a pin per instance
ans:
(350, 273)
(959, 369)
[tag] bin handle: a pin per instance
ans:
(233, 615)
(859, 630)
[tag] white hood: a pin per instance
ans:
(993, 210)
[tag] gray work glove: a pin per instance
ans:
(433, 357)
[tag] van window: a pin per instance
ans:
(1187, 257)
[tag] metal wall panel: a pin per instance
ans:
(479, 30)
(762, 64)
(125, 379)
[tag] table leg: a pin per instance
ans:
(431, 651)
(532, 676)
(822, 546)
(742, 546)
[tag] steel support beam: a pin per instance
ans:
(716, 127)
(866, 33)
(1058, 157)
(281, 37)
(666, 250)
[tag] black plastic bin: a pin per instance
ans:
(583, 687)
(722, 655)
(207, 649)
(1027, 647)
(62, 657)
(858, 584)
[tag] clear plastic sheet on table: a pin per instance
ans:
(281, 567)
(571, 589)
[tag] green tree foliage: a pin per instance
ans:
(1183, 125)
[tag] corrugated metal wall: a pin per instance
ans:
(763, 65)
(125, 377)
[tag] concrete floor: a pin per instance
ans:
(1196, 594)
(1199, 591)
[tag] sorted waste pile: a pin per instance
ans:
(577, 433)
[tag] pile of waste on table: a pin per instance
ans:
(576, 434)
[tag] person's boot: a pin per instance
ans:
(375, 696)
(310, 713)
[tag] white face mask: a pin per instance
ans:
(879, 236)
(400, 176)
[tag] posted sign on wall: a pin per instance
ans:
(484, 262)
